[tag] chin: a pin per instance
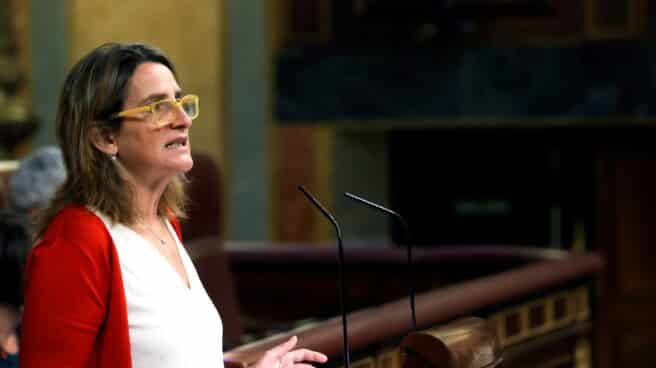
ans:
(187, 165)
(178, 164)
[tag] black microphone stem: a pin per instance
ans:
(342, 303)
(408, 245)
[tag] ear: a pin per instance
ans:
(8, 338)
(8, 345)
(103, 139)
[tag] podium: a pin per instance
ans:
(539, 312)
(466, 343)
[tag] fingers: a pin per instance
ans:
(273, 357)
(282, 356)
(284, 348)
(303, 355)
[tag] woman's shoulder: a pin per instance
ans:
(76, 226)
(76, 220)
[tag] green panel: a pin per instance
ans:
(248, 199)
(49, 62)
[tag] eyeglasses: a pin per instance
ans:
(164, 110)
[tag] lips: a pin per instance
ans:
(176, 143)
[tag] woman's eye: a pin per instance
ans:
(163, 106)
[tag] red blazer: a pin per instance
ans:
(75, 311)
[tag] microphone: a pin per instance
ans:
(342, 304)
(407, 238)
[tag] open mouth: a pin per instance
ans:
(176, 143)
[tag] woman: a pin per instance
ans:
(109, 283)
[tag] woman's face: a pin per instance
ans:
(149, 150)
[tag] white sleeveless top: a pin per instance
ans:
(170, 325)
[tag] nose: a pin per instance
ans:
(181, 119)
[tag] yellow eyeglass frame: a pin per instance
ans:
(178, 102)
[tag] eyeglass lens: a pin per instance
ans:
(165, 110)
(190, 107)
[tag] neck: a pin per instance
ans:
(147, 191)
(146, 200)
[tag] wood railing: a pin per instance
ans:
(374, 275)
(541, 299)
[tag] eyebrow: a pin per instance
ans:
(157, 97)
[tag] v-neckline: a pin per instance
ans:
(185, 283)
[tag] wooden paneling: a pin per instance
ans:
(296, 218)
(635, 203)
(635, 346)
(625, 233)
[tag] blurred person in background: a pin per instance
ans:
(30, 188)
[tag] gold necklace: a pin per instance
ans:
(161, 241)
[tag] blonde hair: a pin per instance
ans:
(93, 92)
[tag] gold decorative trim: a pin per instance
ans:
(636, 21)
(389, 359)
(582, 304)
(582, 354)
(576, 308)
(575, 304)
(579, 244)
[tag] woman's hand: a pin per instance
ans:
(282, 356)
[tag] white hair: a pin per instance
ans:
(35, 181)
